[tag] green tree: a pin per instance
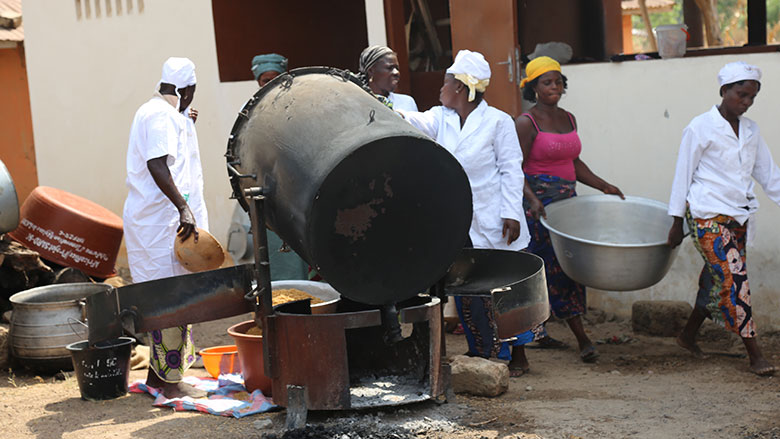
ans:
(732, 16)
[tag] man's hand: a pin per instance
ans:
(193, 115)
(511, 230)
(187, 224)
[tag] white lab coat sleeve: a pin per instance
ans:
(766, 172)
(691, 149)
(413, 104)
(162, 138)
(428, 122)
(509, 159)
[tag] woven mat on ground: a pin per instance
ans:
(226, 397)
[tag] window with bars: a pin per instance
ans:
(91, 9)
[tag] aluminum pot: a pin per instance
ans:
(9, 202)
(611, 244)
(515, 281)
(46, 320)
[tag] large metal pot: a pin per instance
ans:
(46, 320)
(9, 202)
(611, 244)
(515, 282)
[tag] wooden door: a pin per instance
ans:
(490, 27)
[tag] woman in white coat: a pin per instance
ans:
(378, 67)
(484, 141)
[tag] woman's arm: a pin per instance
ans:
(687, 161)
(158, 168)
(586, 176)
(766, 171)
(526, 134)
(509, 160)
(675, 232)
(427, 122)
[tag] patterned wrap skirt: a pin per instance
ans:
(567, 297)
(479, 327)
(724, 292)
(172, 352)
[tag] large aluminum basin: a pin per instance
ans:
(611, 244)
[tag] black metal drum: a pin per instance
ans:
(378, 208)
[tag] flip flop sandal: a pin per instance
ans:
(549, 343)
(589, 354)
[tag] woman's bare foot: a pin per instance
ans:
(762, 368)
(518, 365)
(589, 354)
(173, 390)
(691, 346)
(758, 364)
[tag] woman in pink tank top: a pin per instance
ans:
(552, 166)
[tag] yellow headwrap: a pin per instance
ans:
(472, 83)
(538, 67)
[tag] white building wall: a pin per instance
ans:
(88, 76)
(631, 116)
(375, 22)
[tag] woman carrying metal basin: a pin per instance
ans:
(483, 140)
(551, 147)
(720, 154)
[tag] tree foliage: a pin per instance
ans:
(733, 22)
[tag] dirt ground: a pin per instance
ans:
(641, 387)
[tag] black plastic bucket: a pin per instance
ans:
(102, 370)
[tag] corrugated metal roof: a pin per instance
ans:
(11, 34)
(631, 7)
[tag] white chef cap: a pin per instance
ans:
(178, 71)
(471, 69)
(738, 71)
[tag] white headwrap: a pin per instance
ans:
(179, 72)
(738, 71)
(471, 69)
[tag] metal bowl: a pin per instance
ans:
(514, 280)
(321, 290)
(611, 244)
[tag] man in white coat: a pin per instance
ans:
(165, 197)
(484, 141)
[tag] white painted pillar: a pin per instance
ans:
(375, 22)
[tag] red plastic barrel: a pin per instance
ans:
(70, 230)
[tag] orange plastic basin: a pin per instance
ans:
(221, 359)
(250, 354)
(70, 230)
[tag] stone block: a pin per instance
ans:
(662, 318)
(478, 376)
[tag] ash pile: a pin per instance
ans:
(353, 431)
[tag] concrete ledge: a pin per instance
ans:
(662, 318)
